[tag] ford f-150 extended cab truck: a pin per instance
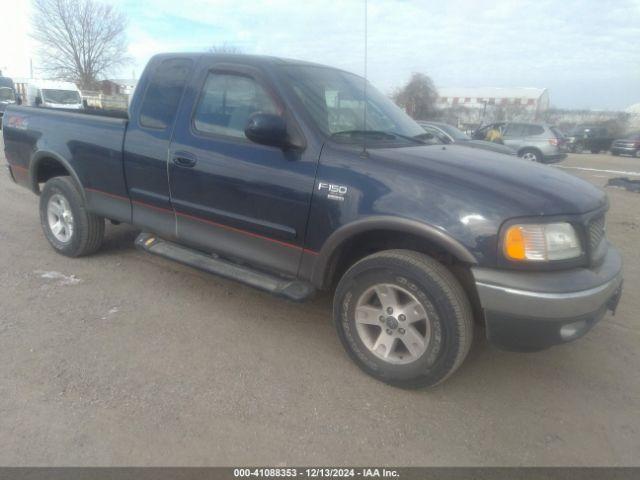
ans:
(272, 172)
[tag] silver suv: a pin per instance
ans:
(536, 142)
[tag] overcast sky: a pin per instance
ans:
(586, 52)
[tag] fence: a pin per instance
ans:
(105, 102)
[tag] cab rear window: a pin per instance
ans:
(163, 93)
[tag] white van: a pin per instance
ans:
(52, 94)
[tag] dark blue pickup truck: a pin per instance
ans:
(273, 172)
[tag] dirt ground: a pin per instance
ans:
(127, 359)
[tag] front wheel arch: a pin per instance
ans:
(395, 232)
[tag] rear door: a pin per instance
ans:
(231, 196)
(513, 135)
(147, 143)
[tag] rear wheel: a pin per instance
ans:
(69, 228)
(403, 318)
(531, 155)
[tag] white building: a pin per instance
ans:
(634, 116)
(483, 104)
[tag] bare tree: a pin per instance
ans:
(418, 97)
(80, 40)
(225, 48)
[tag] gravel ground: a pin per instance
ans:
(127, 359)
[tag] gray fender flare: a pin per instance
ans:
(401, 225)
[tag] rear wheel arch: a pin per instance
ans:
(47, 165)
(354, 241)
(535, 150)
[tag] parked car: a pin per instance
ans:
(536, 142)
(272, 172)
(53, 94)
(7, 95)
(627, 146)
(481, 132)
(448, 134)
(591, 138)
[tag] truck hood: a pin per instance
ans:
(524, 188)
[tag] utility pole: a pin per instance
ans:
(31, 67)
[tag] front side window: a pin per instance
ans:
(335, 101)
(64, 97)
(227, 102)
(163, 93)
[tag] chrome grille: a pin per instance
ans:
(596, 234)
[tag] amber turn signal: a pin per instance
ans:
(514, 243)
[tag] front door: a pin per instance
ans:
(245, 201)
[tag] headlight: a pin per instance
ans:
(541, 242)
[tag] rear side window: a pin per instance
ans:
(227, 102)
(163, 93)
(515, 130)
(533, 130)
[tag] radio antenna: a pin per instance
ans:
(364, 113)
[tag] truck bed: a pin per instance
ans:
(89, 143)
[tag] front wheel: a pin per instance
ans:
(69, 228)
(403, 318)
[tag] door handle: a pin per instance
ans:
(184, 159)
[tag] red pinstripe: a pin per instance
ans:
(210, 222)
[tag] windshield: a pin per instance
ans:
(66, 97)
(453, 132)
(335, 101)
(6, 94)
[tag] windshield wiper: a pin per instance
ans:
(378, 133)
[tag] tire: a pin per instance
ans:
(447, 327)
(593, 150)
(531, 155)
(77, 234)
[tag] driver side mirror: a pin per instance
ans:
(267, 129)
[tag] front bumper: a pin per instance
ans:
(530, 311)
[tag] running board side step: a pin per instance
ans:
(292, 289)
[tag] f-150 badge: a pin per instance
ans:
(334, 192)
